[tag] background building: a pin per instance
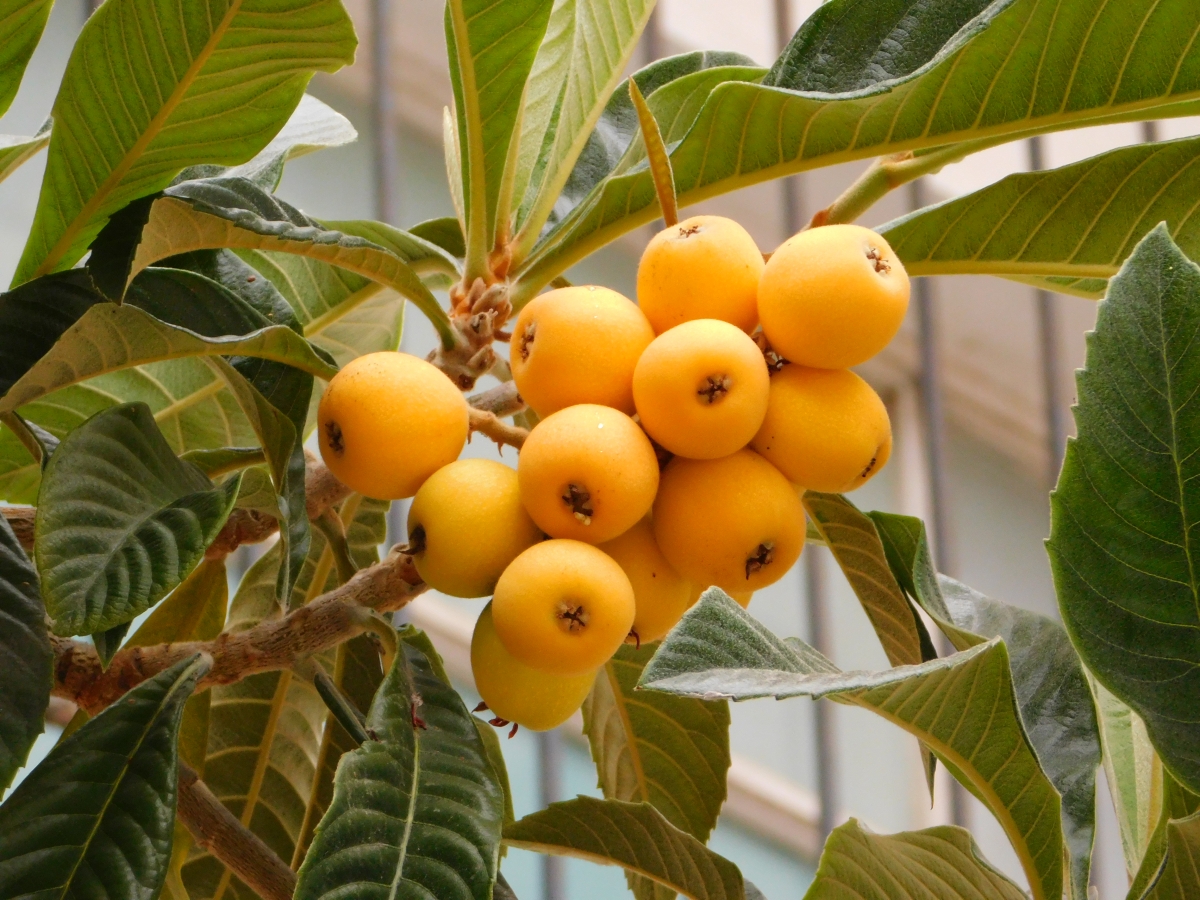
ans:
(993, 356)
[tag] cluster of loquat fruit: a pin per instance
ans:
(674, 440)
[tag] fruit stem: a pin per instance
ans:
(489, 424)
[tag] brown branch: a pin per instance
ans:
(503, 400)
(275, 644)
(215, 829)
(501, 432)
(20, 520)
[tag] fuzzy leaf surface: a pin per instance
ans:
(25, 656)
(1125, 510)
(417, 813)
(121, 521)
(95, 818)
(975, 729)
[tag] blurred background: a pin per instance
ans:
(979, 385)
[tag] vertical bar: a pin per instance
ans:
(819, 630)
(1150, 133)
(933, 415)
(550, 788)
(383, 115)
(826, 738)
(1048, 340)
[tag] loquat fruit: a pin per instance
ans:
(387, 421)
(825, 429)
(587, 472)
(466, 524)
(735, 522)
(701, 389)
(832, 297)
(519, 693)
(578, 345)
(660, 594)
(705, 267)
(563, 607)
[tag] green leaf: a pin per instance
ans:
(670, 752)
(137, 105)
(1133, 770)
(675, 89)
(444, 232)
(313, 126)
(417, 813)
(1051, 686)
(223, 460)
(236, 213)
(578, 67)
(1066, 229)
(634, 836)
(25, 656)
(719, 650)
(95, 817)
(108, 337)
(1168, 870)
(279, 435)
(1019, 67)
(121, 521)
(492, 48)
(855, 544)
(21, 26)
(15, 150)
(108, 642)
(941, 863)
(263, 738)
(1123, 512)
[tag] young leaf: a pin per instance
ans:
(670, 752)
(25, 656)
(236, 213)
(656, 155)
(263, 738)
(21, 26)
(417, 813)
(1068, 229)
(1124, 512)
(634, 836)
(96, 815)
(1095, 63)
(579, 65)
(121, 521)
(941, 863)
(137, 105)
(718, 650)
(1051, 685)
(492, 48)
(444, 232)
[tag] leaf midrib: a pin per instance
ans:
(409, 817)
(131, 157)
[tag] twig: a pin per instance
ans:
(276, 644)
(503, 400)
(501, 432)
(20, 520)
(216, 830)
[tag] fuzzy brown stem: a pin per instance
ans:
(215, 829)
(20, 520)
(503, 400)
(501, 432)
(271, 645)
